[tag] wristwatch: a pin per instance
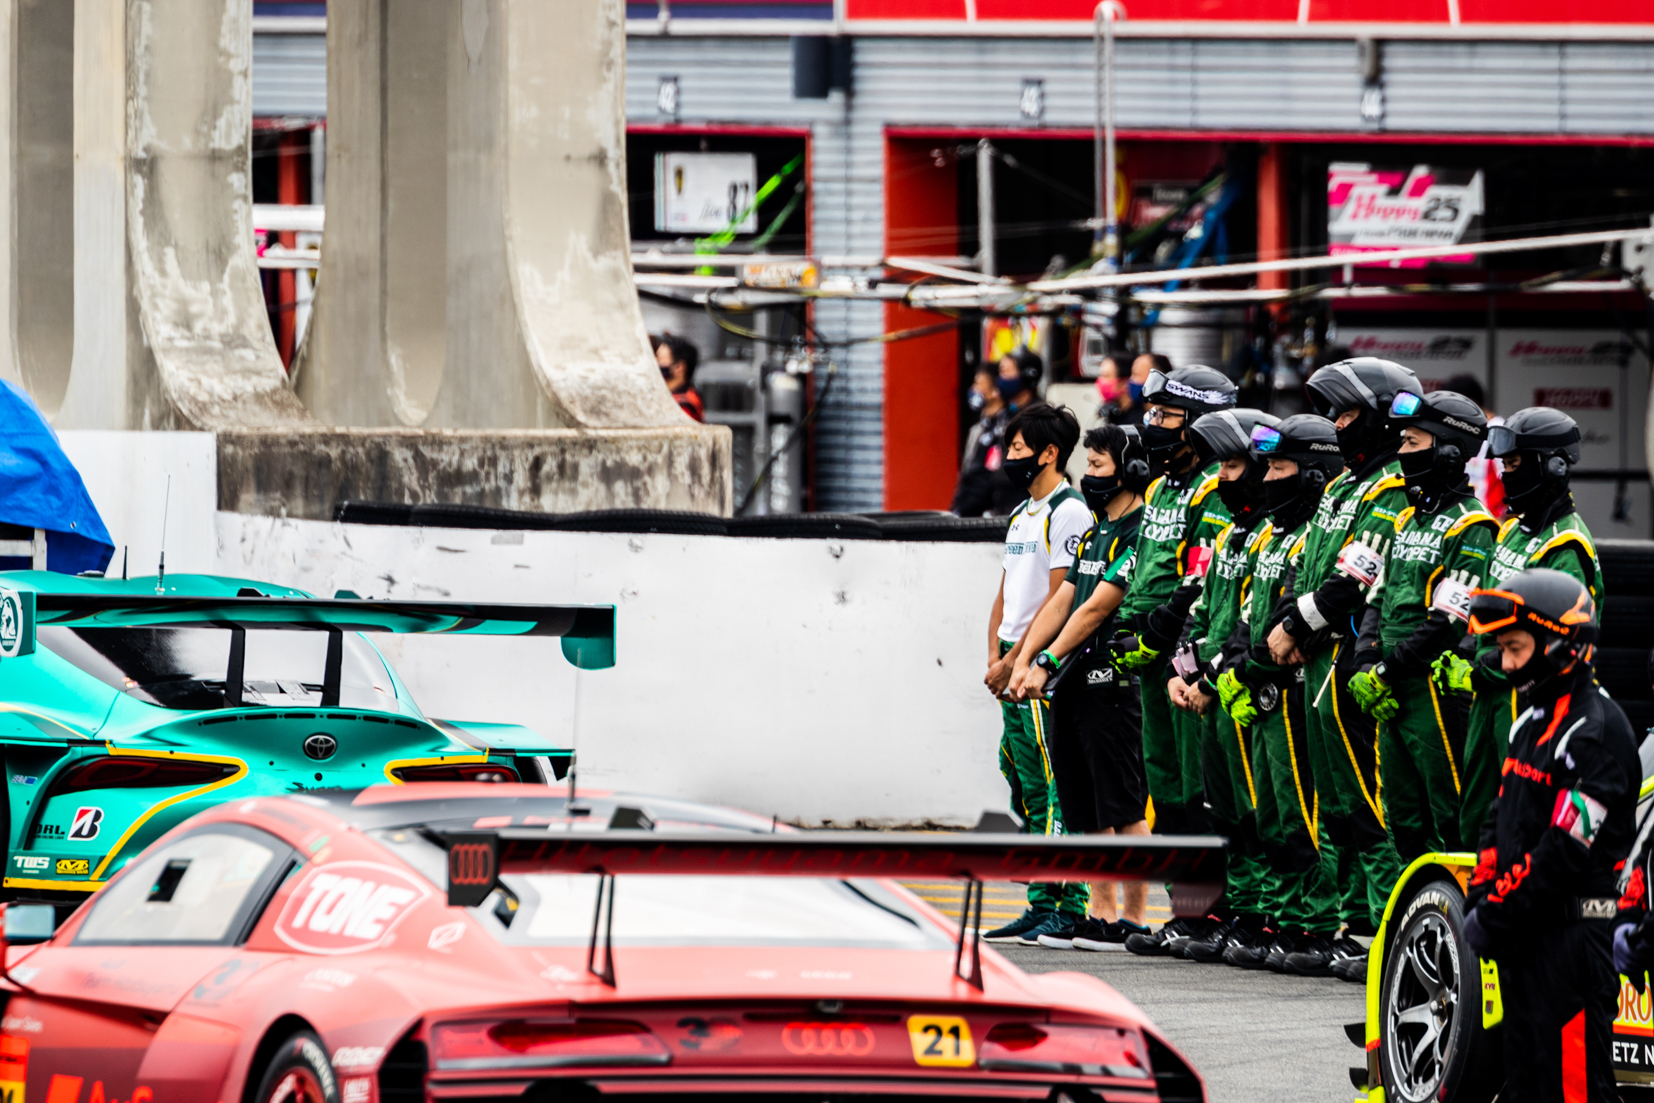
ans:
(1047, 661)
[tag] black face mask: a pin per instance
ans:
(1279, 494)
(1549, 656)
(1161, 442)
(1353, 440)
(1100, 490)
(1241, 497)
(1525, 487)
(1023, 472)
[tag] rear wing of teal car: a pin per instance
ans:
(587, 631)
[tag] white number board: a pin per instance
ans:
(702, 193)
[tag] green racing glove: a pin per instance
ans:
(1452, 673)
(1237, 699)
(1133, 661)
(1373, 694)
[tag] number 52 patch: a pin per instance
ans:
(941, 1040)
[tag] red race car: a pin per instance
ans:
(458, 942)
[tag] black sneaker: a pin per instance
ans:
(1284, 944)
(1012, 931)
(1178, 945)
(1252, 953)
(1349, 959)
(1078, 926)
(1312, 957)
(1053, 923)
(1208, 949)
(1113, 936)
(1155, 945)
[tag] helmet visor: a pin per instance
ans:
(1405, 404)
(1491, 610)
(1265, 440)
(1500, 440)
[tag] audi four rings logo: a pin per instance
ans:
(470, 864)
(827, 1039)
(320, 746)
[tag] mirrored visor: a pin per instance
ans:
(1405, 404)
(1265, 440)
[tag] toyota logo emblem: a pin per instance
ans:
(321, 746)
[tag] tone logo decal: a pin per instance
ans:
(88, 821)
(346, 907)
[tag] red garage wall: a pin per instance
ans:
(921, 375)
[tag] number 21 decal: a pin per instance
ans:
(941, 1040)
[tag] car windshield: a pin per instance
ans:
(184, 668)
(555, 909)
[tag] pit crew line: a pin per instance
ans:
(1268, 629)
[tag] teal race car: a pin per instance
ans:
(127, 706)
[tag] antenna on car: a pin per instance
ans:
(574, 749)
(161, 571)
(123, 562)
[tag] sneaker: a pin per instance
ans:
(1054, 924)
(1081, 927)
(1178, 945)
(1312, 957)
(1253, 953)
(1209, 947)
(1284, 945)
(1012, 931)
(1113, 936)
(1352, 969)
(1156, 944)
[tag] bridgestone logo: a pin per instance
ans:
(1195, 394)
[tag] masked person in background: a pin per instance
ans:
(1040, 544)
(1096, 723)
(1538, 447)
(677, 359)
(1212, 634)
(1258, 693)
(983, 488)
(1317, 626)
(1420, 607)
(1182, 516)
(1545, 889)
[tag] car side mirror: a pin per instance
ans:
(26, 924)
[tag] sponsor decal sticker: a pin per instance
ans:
(70, 867)
(358, 1089)
(21, 1024)
(708, 1035)
(941, 1041)
(327, 980)
(16, 623)
(14, 1065)
(358, 1057)
(87, 823)
(24, 779)
(347, 907)
(31, 863)
(446, 935)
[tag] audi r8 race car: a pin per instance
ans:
(1433, 1006)
(497, 942)
(127, 706)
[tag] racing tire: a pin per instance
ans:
(299, 1072)
(934, 526)
(1432, 1045)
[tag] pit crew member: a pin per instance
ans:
(1544, 888)
(1040, 544)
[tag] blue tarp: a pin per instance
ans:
(40, 489)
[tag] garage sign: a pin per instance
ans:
(1371, 208)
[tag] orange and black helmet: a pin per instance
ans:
(1547, 603)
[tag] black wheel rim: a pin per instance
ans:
(1421, 1016)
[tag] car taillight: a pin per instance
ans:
(526, 1043)
(470, 771)
(1076, 1050)
(139, 773)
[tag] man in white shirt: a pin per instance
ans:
(1044, 534)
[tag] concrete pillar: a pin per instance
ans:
(170, 329)
(476, 269)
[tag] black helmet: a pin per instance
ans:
(1223, 435)
(1458, 426)
(1548, 442)
(1196, 390)
(1555, 607)
(1134, 461)
(1368, 384)
(1310, 441)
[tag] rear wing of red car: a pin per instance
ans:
(1194, 865)
(587, 631)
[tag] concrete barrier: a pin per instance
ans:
(818, 681)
